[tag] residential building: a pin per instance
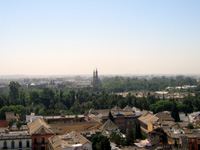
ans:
(69, 141)
(40, 132)
(76, 126)
(148, 121)
(100, 115)
(32, 117)
(64, 119)
(16, 141)
(89, 134)
(10, 115)
(125, 118)
(109, 127)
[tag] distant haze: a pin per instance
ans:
(118, 37)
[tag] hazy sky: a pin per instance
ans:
(64, 37)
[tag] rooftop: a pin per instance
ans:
(148, 118)
(64, 117)
(116, 108)
(39, 125)
(71, 139)
(109, 125)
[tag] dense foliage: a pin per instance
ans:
(100, 142)
(122, 84)
(117, 138)
(47, 101)
(175, 112)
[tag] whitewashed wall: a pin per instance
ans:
(16, 143)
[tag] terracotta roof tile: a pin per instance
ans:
(36, 127)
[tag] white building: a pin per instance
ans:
(32, 117)
(15, 141)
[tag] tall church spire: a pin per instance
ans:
(96, 74)
(95, 81)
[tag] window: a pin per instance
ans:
(35, 140)
(5, 144)
(27, 144)
(43, 130)
(12, 144)
(20, 144)
(42, 140)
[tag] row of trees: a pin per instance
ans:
(188, 105)
(122, 84)
(49, 101)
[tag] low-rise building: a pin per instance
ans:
(64, 119)
(16, 141)
(69, 141)
(32, 117)
(124, 118)
(10, 115)
(40, 132)
(89, 134)
(149, 121)
(76, 126)
(109, 127)
(146, 121)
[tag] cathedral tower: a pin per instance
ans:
(95, 81)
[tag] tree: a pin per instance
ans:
(18, 124)
(14, 92)
(10, 122)
(138, 133)
(100, 142)
(110, 116)
(47, 97)
(175, 112)
(190, 126)
(16, 109)
(34, 97)
(22, 97)
(2, 100)
(188, 104)
(60, 106)
(40, 109)
(130, 136)
(116, 138)
(72, 95)
(176, 144)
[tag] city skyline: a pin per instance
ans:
(117, 37)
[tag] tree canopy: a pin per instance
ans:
(100, 142)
